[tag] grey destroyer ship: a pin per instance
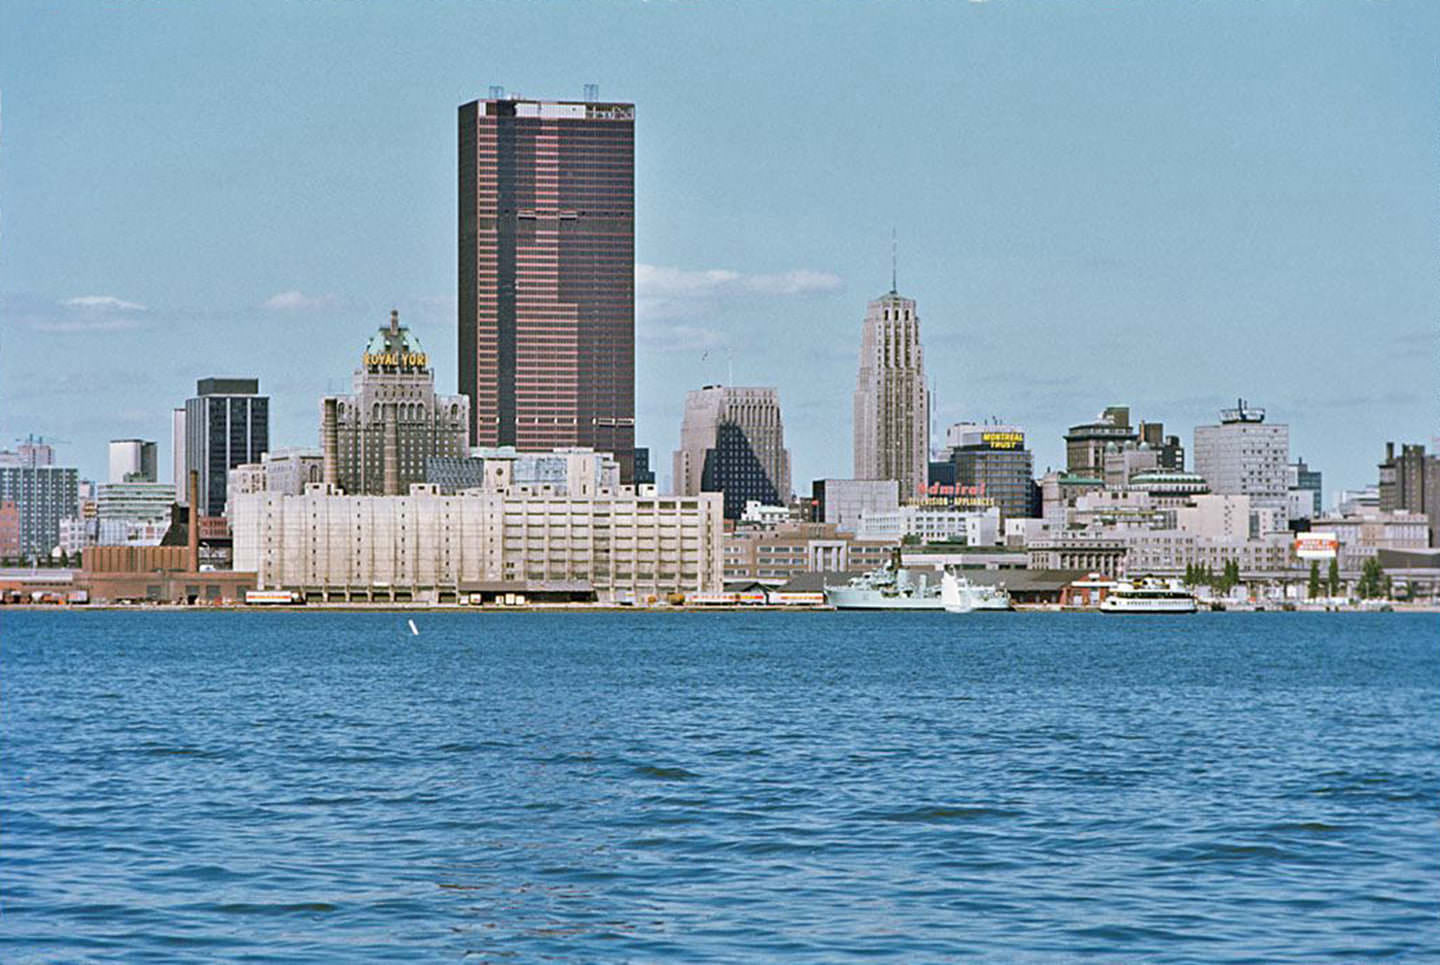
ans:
(891, 587)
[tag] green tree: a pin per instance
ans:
(1332, 579)
(1314, 587)
(1371, 582)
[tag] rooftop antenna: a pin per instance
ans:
(394, 321)
(497, 93)
(592, 93)
(894, 261)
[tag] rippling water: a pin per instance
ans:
(755, 786)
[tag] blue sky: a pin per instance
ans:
(1162, 204)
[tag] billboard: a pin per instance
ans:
(972, 435)
(957, 496)
(1317, 546)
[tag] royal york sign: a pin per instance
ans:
(396, 359)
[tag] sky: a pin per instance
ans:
(1165, 205)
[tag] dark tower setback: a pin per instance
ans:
(547, 274)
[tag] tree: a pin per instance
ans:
(1314, 588)
(1332, 579)
(1372, 580)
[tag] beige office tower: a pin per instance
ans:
(892, 405)
(378, 440)
(733, 442)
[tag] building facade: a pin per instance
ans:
(617, 544)
(1170, 453)
(892, 403)
(43, 495)
(932, 524)
(775, 554)
(843, 501)
(732, 441)
(10, 531)
(547, 274)
(291, 469)
(1410, 480)
(134, 501)
(562, 472)
(132, 460)
(994, 459)
(227, 423)
(1363, 535)
(1103, 554)
(1246, 456)
(1085, 443)
(1304, 485)
(286, 471)
(32, 453)
(177, 456)
(376, 441)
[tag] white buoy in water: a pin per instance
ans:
(414, 631)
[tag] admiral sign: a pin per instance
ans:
(941, 494)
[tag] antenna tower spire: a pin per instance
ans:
(893, 261)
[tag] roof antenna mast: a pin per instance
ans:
(893, 261)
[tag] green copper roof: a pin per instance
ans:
(397, 341)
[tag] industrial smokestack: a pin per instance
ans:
(194, 525)
(330, 441)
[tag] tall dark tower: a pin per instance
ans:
(547, 274)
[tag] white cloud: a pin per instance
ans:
(86, 325)
(658, 281)
(678, 338)
(294, 301)
(103, 303)
(799, 281)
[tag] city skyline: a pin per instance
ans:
(1250, 232)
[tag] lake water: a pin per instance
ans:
(719, 787)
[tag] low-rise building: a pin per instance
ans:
(1060, 490)
(843, 501)
(1169, 488)
(931, 524)
(291, 469)
(10, 530)
(1170, 552)
(774, 554)
(575, 469)
(757, 512)
(1103, 554)
(1362, 536)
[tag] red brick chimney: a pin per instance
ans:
(193, 527)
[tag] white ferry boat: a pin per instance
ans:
(888, 588)
(1149, 596)
(959, 595)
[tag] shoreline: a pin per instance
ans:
(617, 608)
